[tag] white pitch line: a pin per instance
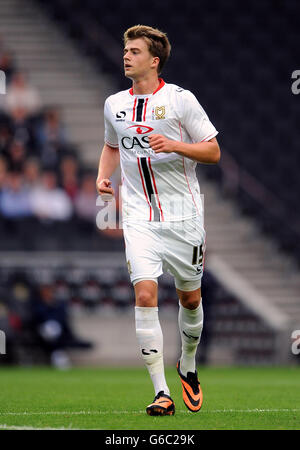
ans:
(15, 427)
(256, 410)
(91, 413)
(60, 413)
(66, 413)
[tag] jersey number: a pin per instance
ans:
(197, 254)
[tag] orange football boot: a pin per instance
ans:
(162, 405)
(191, 390)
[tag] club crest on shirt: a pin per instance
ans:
(159, 112)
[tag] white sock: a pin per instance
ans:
(190, 323)
(150, 339)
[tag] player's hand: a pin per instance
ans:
(104, 187)
(160, 143)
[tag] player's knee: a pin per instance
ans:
(190, 303)
(190, 300)
(145, 298)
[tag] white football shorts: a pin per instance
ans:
(177, 247)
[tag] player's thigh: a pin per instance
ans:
(184, 254)
(143, 252)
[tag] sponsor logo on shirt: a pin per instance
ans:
(141, 129)
(129, 142)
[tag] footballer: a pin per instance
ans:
(158, 132)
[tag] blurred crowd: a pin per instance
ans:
(42, 179)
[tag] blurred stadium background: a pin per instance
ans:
(65, 296)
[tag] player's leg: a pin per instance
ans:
(184, 259)
(145, 265)
(184, 249)
(190, 321)
(150, 338)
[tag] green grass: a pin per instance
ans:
(115, 399)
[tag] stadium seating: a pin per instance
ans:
(229, 326)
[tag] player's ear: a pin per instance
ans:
(155, 62)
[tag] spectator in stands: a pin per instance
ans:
(15, 198)
(6, 133)
(51, 138)
(19, 289)
(16, 156)
(15, 125)
(69, 175)
(22, 127)
(53, 328)
(21, 98)
(52, 129)
(85, 201)
(32, 173)
(49, 202)
(69, 183)
(3, 172)
(7, 64)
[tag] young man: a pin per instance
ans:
(159, 132)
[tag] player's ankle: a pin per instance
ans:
(187, 364)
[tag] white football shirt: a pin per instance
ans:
(163, 186)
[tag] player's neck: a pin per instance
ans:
(145, 86)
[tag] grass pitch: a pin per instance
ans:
(115, 399)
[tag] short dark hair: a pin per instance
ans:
(158, 42)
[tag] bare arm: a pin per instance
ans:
(207, 152)
(109, 161)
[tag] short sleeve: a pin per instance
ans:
(195, 119)
(110, 136)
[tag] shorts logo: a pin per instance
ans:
(129, 267)
(160, 112)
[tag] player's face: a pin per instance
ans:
(138, 61)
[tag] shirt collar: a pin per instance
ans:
(161, 84)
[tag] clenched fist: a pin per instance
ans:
(104, 189)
